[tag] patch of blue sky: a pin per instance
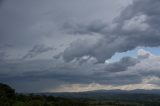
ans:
(133, 53)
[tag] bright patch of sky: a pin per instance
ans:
(133, 53)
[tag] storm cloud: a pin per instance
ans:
(104, 44)
(136, 26)
(127, 70)
(37, 50)
(121, 65)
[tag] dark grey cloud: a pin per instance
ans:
(117, 73)
(108, 74)
(94, 27)
(78, 49)
(37, 50)
(54, 73)
(33, 22)
(6, 46)
(27, 23)
(137, 25)
(1, 1)
(2, 56)
(121, 65)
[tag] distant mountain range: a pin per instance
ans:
(105, 94)
(136, 91)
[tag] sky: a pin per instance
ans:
(79, 45)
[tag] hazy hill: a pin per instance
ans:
(137, 94)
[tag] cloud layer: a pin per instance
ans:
(36, 50)
(85, 39)
(127, 71)
(135, 27)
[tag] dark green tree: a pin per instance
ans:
(7, 95)
(6, 91)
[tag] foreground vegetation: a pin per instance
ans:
(8, 97)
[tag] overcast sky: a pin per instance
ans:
(79, 45)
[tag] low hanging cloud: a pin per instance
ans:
(127, 71)
(137, 25)
(37, 50)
